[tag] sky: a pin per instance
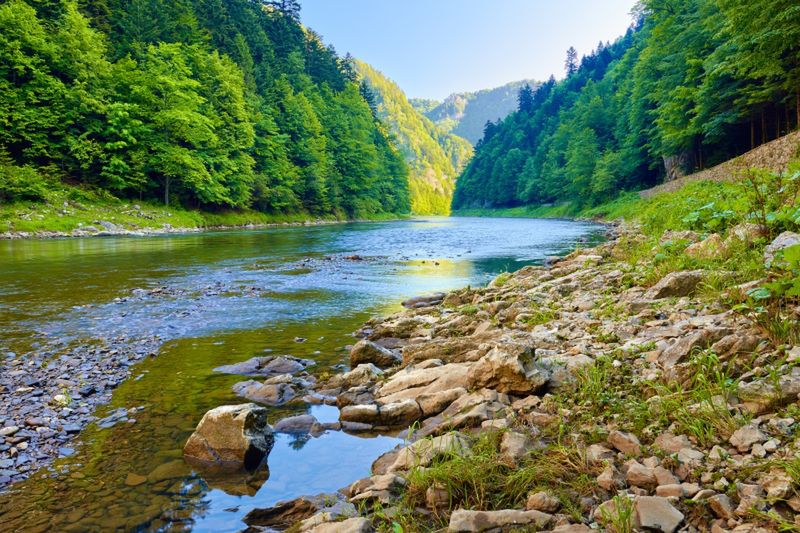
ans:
(433, 48)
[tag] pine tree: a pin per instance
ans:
(571, 63)
(525, 99)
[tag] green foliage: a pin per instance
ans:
(690, 85)
(433, 156)
(21, 183)
(202, 103)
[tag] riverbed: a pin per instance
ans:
(198, 301)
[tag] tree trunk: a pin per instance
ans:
(752, 132)
(777, 122)
(763, 127)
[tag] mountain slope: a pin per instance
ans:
(465, 114)
(434, 156)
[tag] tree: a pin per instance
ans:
(290, 8)
(525, 99)
(571, 63)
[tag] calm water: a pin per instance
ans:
(229, 296)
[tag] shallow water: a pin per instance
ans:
(227, 296)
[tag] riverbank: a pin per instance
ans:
(74, 212)
(650, 382)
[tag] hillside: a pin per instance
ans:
(434, 156)
(466, 114)
(232, 107)
(685, 89)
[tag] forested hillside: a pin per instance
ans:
(465, 114)
(434, 157)
(693, 83)
(207, 103)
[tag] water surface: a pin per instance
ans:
(221, 298)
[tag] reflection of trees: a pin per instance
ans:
(299, 440)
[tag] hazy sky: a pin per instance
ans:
(432, 48)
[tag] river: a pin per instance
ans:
(217, 298)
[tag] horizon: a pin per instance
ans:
(431, 66)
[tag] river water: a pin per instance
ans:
(227, 296)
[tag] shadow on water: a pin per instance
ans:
(222, 298)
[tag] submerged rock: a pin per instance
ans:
(267, 366)
(231, 436)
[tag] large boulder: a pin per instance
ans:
(676, 284)
(366, 352)
(411, 382)
(508, 368)
(781, 242)
(231, 436)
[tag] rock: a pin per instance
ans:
(299, 424)
(748, 232)
(467, 521)
(235, 436)
(676, 284)
(673, 490)
(639, 475)
(675, 236)
(625, 442)
(509, 369)
(654, 512)
(360, 375)
(433, 403)
(424, 301)
(598, 454)
(351, 525)
(542, 501)
(108, 226)
(669, 443)
(721, 506)
(134, 480)
(402, 413)
(283, 514)
(514, 447)
(267, 366)
(8, 431)
(710, 248)
(437, 497)
(744, 437)
(269, 393)
(362, 414)
(366, 351)
(684, 346)
(777, 483)
(382, 489)
(423, 452)
(608, 479)
(773, 250)
(411, 382)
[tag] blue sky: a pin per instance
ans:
(432, 48)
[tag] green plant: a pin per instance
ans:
(618, 517)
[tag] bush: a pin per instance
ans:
(21, 183)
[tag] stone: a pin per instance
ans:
(608, 479)
(235, 436)
(267, 366)
(382, 489)
(664, 476)
(366, 351)
(283, 514)
(509, 369)
(362, 414)
(673, 490)
(598, 454)
(433, 403)
(424, 451)
(675, 236)
(411, 382)
(542, 501)
(268, 394)
(639, 475)
(514, 447)
(748, 232)
(402, 413)
(625, 442)
(299, 424)
(685, 345)
(710, 248)
(773, 250)
(350, 525)
(744, 437)
(654, 512)
(676, 284)
(777, 484)
(360, 375)
(469, 521)
(134, 480)
(437, 497)
(721, 506)
(424, 301)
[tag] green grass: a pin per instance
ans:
(70, 208)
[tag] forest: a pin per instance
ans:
(207, 104)
(434, 156)
(691, 84)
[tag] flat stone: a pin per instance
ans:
(744, 437)
(134, 480)
(625, 442)
(654, 512)
(469, 521)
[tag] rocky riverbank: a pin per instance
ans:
(49, 395)
(600, 392)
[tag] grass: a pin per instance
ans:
(70, 208)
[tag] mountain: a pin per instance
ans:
(466, 114)
(434, 156)
(684, 89)
(202, 103)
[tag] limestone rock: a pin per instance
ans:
(710, 248)
(625, 442)
(744, 437)
(351, 525)
(676, 284)
(781, 242)
(422, 452)
(509, 369)
(654, 512)
(267, 366)
(469, 521)
(542, 501)
(366, 351)
(236, 436)
(515, 446)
